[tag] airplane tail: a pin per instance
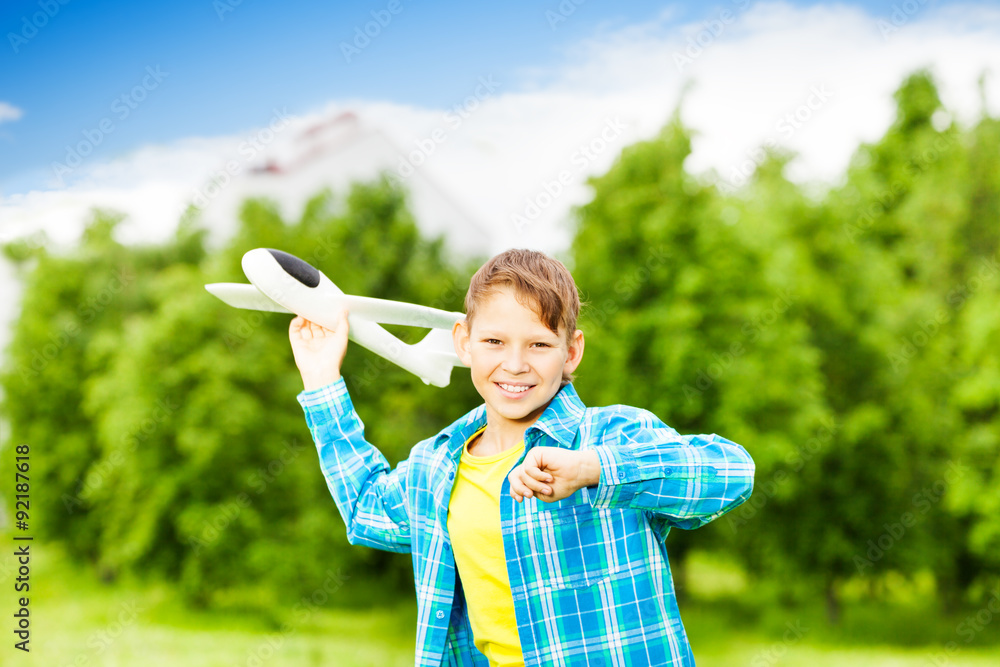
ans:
(439, 345)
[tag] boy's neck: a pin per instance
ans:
(502, 433)
(495, 440)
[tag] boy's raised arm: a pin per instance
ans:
(689, 480)
(318, 351)
(371, 497)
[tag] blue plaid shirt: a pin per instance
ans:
(589, 573)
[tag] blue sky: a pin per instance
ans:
(227, 70)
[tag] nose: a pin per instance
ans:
(514, 361)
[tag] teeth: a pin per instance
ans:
(513, 389)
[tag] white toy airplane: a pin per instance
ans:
(283, 283)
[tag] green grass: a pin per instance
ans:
(76, 620)
(810, 643)
(79, 621)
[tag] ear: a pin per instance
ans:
(574, 352)
(460, 336)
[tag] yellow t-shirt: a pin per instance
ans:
(474, 526)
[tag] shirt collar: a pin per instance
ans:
(560, 421)
(561, 418)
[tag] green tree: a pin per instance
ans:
(821, 331)
(692, 314)
(74, 307)
(201, 468)
(975, 363)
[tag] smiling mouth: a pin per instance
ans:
(514, 389)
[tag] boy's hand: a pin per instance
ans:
(318, 351)
(554, 473)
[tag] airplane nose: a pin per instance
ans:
(302, 271)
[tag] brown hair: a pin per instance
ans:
(540, 282)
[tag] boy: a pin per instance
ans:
(536, 525)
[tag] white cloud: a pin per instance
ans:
(9, 112)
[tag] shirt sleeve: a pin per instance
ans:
(688, 480)
(371, 497)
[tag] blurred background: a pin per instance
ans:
(783, 217)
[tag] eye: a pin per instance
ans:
(542, 344)
(491, 341)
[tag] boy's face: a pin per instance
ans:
(517, 363)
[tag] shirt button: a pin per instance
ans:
(451, 475)
(621, 474)
(440, 614)
(668, 470)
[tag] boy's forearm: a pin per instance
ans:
(690, 479)
(370, 495)
(315, 379)
(590, 468)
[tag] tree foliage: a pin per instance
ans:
(165, 431)
(831, 335)
(849, 339)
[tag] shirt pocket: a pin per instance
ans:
(576, 545)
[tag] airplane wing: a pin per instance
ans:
(247, 297)
(383, 311)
